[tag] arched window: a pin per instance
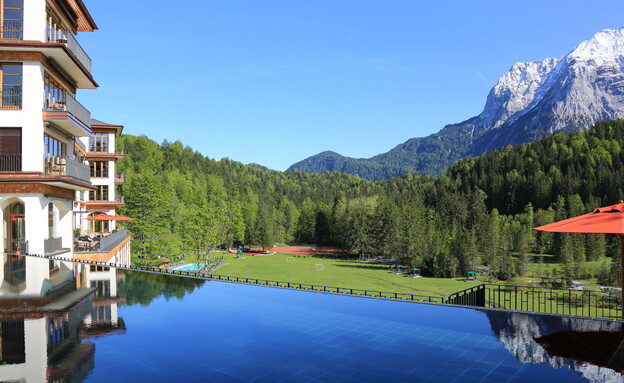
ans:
(14, 226)
(14, 234)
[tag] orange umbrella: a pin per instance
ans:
(608, 220)
(107, 217)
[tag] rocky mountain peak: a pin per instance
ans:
(604, 45)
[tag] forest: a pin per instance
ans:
(478, 215)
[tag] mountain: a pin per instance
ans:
(521, 333)
(530, 101)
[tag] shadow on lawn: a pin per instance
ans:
(360, 266)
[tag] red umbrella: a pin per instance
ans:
(106, 217)
(608, 220)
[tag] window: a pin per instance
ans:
(11, 77)
(51, 221)
(98, 142)
(54, 147)
(99, 169)
(12, 19)
(101, 314)
(10, 149)
(55, 95)
(102, 288)
(100, 194)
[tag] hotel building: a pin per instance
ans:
(45, 135)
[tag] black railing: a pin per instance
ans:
(12, 30)
(10, 162)
(473, 296)
(11, 97)
(588, 303)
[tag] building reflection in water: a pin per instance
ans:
(47, 317)
(593, 348)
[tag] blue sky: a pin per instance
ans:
(275, 81)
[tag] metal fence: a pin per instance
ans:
(10, 162)
(11, 97)
(12, 30)
(589, 303)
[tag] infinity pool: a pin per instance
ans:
(167, 328)
(231, 332)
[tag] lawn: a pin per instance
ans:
(336, 272)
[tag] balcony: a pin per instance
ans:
(12, 30)
(100, 243)
(68, 114)
(119, 178)
(54, 35)
(10, 162)
(66, 166)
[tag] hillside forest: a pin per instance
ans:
(478, 216)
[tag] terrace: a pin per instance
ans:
(66, 166)
(100, 243)
(62, 108)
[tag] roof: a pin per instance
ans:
(101, 124)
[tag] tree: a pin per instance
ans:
(146, 201)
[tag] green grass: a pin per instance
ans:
(337, 272)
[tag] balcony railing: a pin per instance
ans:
(104, 243)
(11, 97)
(54, 35)
(119, 199)
(66, 166)
(10, 162)
(51, 245)
(12, 30)
(113, 239)
(68, 104)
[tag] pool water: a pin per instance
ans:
(170, 328)
(189, 267)
(231, 332)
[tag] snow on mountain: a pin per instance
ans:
(514, 92)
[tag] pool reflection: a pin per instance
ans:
(591, 347)
(46, 320)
